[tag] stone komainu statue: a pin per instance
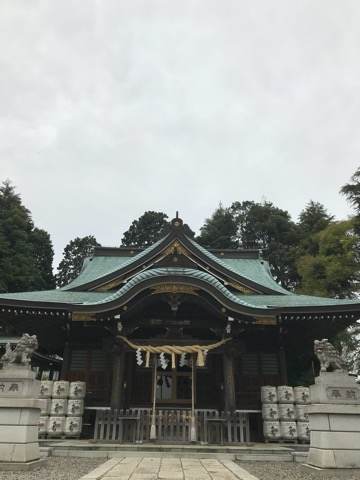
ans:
(328, 356)
(21, 353)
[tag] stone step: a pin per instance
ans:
(300, 457)
(46, 452)
(173, 448)
(256, 452)
(130, 453)
(264, 457)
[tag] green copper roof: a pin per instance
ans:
(255, 301)
(256, 270)
(263, 302)
(293, 300)
(99, 266)
(184, 272)
(253, 269)
(56, 296)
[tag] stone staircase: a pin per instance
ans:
(258, 452)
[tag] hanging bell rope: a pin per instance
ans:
(199, 350)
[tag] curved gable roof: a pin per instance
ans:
(94, 302)
(253, 273)
(98, 267)
(253, 269)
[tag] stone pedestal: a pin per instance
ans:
(334, 416)
(19, 415)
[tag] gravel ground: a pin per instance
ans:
(57, 468)
(296, 471)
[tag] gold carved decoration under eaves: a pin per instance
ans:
(176, 248)
(265, 321)
(241, 288)
(110, 285)
(83, 317)
(174, 288)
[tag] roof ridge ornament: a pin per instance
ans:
(177, 222)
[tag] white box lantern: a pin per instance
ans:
(77, 390)
(301, 413)
(288, 430)
(56, 426)
(287, 411)
(43, 425)
(58, 407)
(303, 431)
(46, 388)
(75, 407)
(271, 431)
(270, 411)
(268, 394)
(60, 389)
(302, 395)
(285, 394)
(73, 426)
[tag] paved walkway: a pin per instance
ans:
(168, 468)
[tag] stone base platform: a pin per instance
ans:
(334, 458)
(22, 466)
(334, 417)
(242, 452)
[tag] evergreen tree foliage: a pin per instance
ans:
(334, 270)
(146, 230)
(43, 253)
(219, 231)
(352, 191)
(314, 218)
(264, 226)
(74, 255)
(348, 343)
(26, 253)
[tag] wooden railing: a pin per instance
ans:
(172, 425)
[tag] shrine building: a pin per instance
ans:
(177, 328)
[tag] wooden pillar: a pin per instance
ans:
(65, 367)
(282, 358)
(283, 367)
(193, 435)
(229, 381)
(117, 387)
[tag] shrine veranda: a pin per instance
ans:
(178, 331)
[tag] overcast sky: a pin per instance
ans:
(110, 108)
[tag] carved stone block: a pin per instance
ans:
(334, 418)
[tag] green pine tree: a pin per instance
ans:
(74, 255)
(146, 230)
(333, 270)
(219, 231)
(26, 253)
(264, 226)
